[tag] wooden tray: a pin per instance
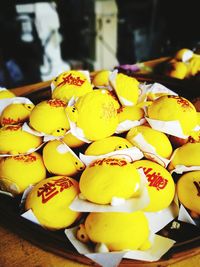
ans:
(187, 237)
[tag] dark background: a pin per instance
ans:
(147, 29)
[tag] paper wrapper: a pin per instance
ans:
(154, 90)
(179, 169)
(130, 154)
(169, 127)
(118, 204)
(160, 245)
(149, 151)
(14, 100)
(127, 125)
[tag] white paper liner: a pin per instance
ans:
(179, 169)
(129, 205)
(29, 215)
(184, 216)
(130, 154)
(158, 220)
(155, 88)
(126, 125)
(149, 151)
(14, 100)
(169, 127)
(5, 192)
(159, 247)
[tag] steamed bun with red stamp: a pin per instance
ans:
(50, 199)
(72, 83)
(14, 140)
(49, 117)
(107, 178)
(161, 186)
(18, 172)
(95, 115)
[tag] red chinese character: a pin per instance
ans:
(63, 183)
(47, 191)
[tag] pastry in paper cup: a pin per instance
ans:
(161, 186)
(118, 230)
(18, 172)
(16, 113)
(187, 155)
(107, 178)
(126, 88)
(6, 93)
(157, 140)
(106, 145)
(174, 108)
(14, 141)
(49, 200)
(101, 78)
(72, 83)
(49, 117)
(95, 114)
(59, 159)
(188, 191)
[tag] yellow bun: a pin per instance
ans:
(177, 69)
(159, 141)
(188, 190)
(5, 93)
(127, 89)
(118, 230)
(184, 54)
(161, 187)
(106, 145)
(18, 172)
(13, 140)
(50, 200)
(16, 113)
(101, 78)
(96, 114)
(107, 178)
(133, 113)
(59, 160)
(170, 108)
(49, 117)
(188, 155)
(69, 84)
(72, 141)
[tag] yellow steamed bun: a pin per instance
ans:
(161, 186)
(50, 199)
(18, 172)
(106, 178)
(118, 230)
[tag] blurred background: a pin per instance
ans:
(40, 39)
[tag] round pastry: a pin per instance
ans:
(158, 140)
(106, 145)
(161, 187)
(13, 140)
(118, 230)
(16, 113)
(95, 114)
(60, 160)
(132, 113)
(50, 200)
(174, 108)
(5, 93)
(187, 155)
(101, 78)
(188, 190)
(72, 141)
(72, 83)
(126, 88)
(106, 178)
(18, 172)
(49, 117)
